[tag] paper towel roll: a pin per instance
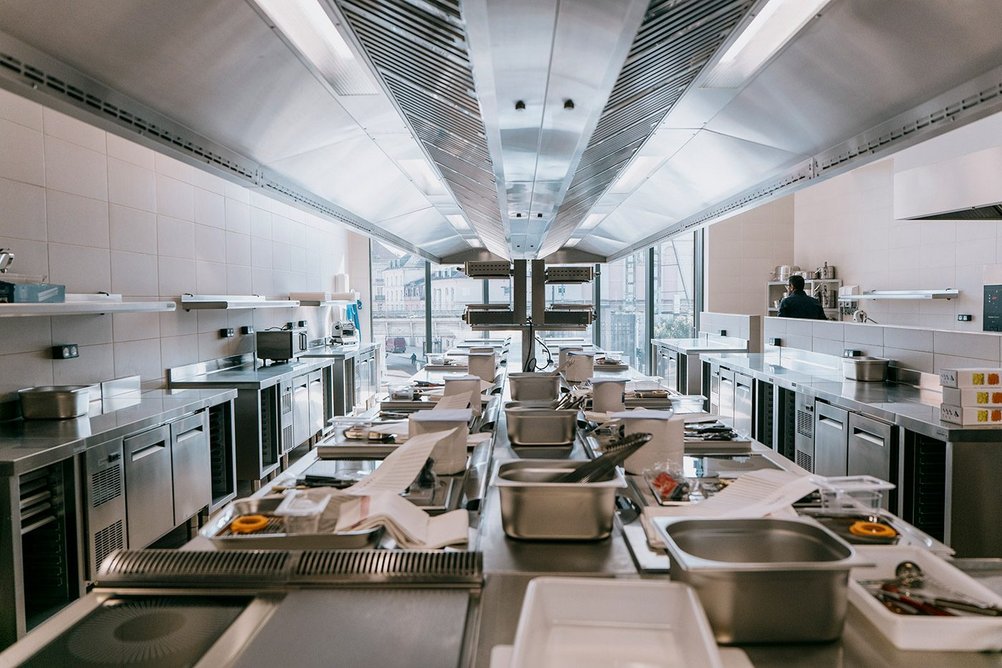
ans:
(341, 283)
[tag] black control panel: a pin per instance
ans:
(993, 308)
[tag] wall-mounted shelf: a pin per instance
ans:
(948, 293)
(231, 302)
(82, 304)
(324, 298)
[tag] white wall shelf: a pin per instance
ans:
(82, 304)
(324, 298)
(948, 293)
(232, 302)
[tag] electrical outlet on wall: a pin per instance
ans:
(965, 317)
(65, 351)
(227, 332)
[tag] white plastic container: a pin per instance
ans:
(580, 366)
(608, 395)
(667, 446)
(465, 384)
(302, 513)
(450, 453)
(967, 633)
(595, 622)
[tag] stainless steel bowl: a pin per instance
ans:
(868, 369)
(48, 402)
(763, 580)
(534, 508)
(540, 426)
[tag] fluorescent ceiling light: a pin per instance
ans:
(592, 221)
(636, 173)
(770, 30)
(318, 39)
(423, 176)
(572, 242)
(458, 221)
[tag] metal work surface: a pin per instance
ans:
(30, 444)
(912, 407)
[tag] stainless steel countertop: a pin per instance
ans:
(338, 350)
(253, 376)
(699, 345)
(913, 408)
(26, 445)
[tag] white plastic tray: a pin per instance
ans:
(967, 633)
(586, 622)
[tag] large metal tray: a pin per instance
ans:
(273, 537)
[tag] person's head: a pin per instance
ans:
(796, 283)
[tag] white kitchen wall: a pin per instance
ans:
(849, 221)
(97, 212)
(741, 254)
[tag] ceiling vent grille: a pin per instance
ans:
(675, 40)
(419, 49)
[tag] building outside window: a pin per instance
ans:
(674, 278)
(624, 308)
(398, 309)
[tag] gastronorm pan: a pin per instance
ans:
(273, 536)
(763, 579)
(535, 508)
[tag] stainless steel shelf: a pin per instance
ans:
(231, 302)
(948, 293)
(324, 298)
(81, 304)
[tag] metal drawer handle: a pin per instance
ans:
(834, 423)
(147, 451)
(193, 433)
(870, 438)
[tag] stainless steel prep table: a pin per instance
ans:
(972, 462)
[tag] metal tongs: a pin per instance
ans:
(614, 455)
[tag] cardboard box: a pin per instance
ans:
(974, 377)
(967, 415)
(972, 396)
(31, 293)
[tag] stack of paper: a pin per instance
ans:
(406, 523)
(376, 501)
(754, 494)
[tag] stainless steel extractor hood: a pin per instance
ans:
(623, 137)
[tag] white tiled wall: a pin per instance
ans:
(101, 213)
(741, 254)
(921, 349)
(849, 221)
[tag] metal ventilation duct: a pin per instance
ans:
(419, 49)
(675, 41)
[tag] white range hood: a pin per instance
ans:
(967, 187)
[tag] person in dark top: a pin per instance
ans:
(799, 304)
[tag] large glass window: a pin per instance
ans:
(451, 291)
(674, 278)
(398, 309)
(624, 308)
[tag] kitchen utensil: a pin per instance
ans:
(601, 466)
(540, 426)
(532, 386)
(865, 368)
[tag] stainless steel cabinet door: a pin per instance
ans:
(743, 404)
(871, 450)
(831, 439)
(726, 397)
(300, 412)
(192, 466)
(149, 493)
(316, 398)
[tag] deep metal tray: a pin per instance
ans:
(273, 537)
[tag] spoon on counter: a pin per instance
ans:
(908, 578)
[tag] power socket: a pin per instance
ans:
(965, 317)
(246, 329)
(227, 332)
(67, 351)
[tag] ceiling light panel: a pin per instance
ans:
(306, 25)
